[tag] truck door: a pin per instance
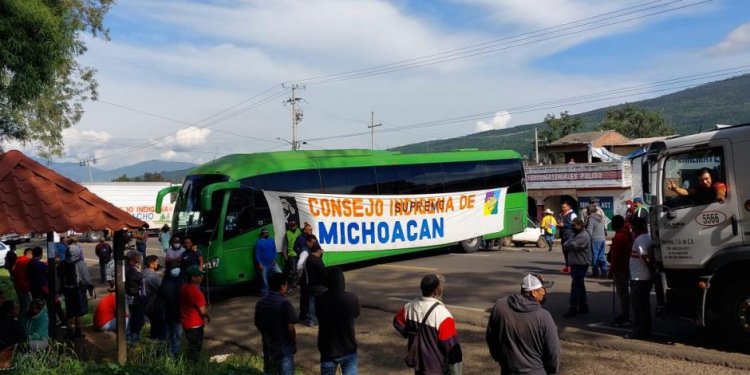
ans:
(697, 224)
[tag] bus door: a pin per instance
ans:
(246, 212)
(693, 224)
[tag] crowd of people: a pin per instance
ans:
(324, 302)
(628, 263)
(165, 290)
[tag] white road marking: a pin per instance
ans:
(609, 327)
(451, 306)
(405, 267)
(471, 255)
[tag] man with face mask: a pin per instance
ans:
(521, 334)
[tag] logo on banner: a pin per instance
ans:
(490, 203)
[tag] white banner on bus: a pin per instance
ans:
(380, 222)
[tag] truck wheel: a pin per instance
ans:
(735, 313)
(541, 243)
(471, 245)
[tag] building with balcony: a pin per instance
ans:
(586, 169)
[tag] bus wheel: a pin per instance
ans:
(471, 245)
(735, 312)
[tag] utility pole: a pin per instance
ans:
(372, 127)
(87, 164)
(296, 114)
(536, 146)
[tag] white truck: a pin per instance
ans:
(701, 229)
(136, 198)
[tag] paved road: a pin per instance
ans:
(474, 282)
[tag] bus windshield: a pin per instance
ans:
(189, 220)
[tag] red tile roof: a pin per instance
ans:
(34, 198)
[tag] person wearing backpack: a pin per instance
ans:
(432, 346)
(549, 226)
(76, 281)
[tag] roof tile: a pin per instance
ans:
(34, 198)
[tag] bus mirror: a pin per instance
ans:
(208, 192)
(649, 199)
(162, 193)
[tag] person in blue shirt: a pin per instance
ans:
(61, 248)
(265, 258)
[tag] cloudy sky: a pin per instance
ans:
(194, 80)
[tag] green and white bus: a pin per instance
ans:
(370, 204)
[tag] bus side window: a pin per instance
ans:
(401, 179)
(463, 176)
(504, 173)
(349, 181)
(239, 216)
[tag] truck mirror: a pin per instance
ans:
(649, 199)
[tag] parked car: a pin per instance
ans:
(531, 234)
(3, 252)
(15, 238)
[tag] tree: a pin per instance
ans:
(636, 122)
(123, 178)
(42, 86)
(559, 127)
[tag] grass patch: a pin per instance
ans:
(6, 286)
(145, 360)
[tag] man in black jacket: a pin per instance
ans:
(313, 279)
(134, 296)
(337, 309)
(521, 335)
(170, 291)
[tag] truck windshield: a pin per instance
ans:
(189, 219)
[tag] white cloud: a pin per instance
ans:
(174, 155)
(85, 144)
(186, 138)
(736, 42)
(500, 121)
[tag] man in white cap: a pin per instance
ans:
(521, 334)
(549, 226)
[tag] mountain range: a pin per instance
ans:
(689, 111)
(170, 170)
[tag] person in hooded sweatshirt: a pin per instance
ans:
(336, 309)
(521, 334)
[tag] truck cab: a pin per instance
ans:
(699, 191)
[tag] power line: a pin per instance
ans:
(507, 42)
(619, 93)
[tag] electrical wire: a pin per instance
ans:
(656, 87)
(501, 44)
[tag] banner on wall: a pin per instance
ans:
(377, 222)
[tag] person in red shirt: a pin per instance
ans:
(105, 315)
(193, 311)
(21, 281)
(619, 266)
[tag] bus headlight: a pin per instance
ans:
(211, 263)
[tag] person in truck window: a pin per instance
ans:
(707, 191)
